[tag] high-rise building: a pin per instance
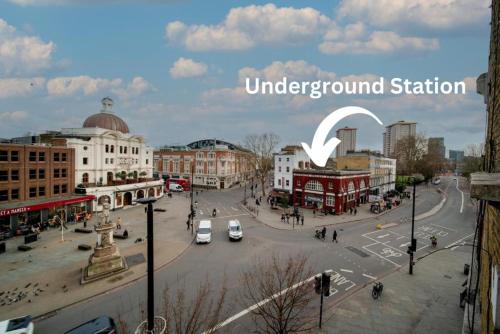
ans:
(395, 132)
(456, 156)
(347, 137)
(435, 146)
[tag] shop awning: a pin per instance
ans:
(27, 206)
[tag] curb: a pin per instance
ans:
(435, 209)
(53, 312)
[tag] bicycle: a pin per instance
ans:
(377, 289)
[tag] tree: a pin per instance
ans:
(281, 294)
(408, 151)
(473, 159)
(262, 148)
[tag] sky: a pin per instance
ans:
(176, 69)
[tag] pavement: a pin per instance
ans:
(47, 277)
(423, 303)
(428, 201)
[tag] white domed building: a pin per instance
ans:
(111, 163)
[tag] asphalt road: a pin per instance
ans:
(362, 255)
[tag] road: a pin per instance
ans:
(362, 255)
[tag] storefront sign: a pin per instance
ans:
(23, 209)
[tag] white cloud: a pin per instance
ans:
(67, 86)
(20, 53)
(137, 87)
(16, 87)
(246, 27)
(186, 68)
(433, 14)
(13, 116)
(379, 42)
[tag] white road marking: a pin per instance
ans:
(405, 244)
(383, 236)
(231, 216)
(201, 212)
(459, 240)
(461, 192)
(370, 277)
(346, 270)
(446, 228)
(401, 237)
(380, 256)
(253, 307)
(234, 209)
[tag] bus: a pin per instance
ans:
(181, 181)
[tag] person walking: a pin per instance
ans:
(334, 237)
(188, 223)
(145, 209)
(282, 217)
(323, 233)
(355, 211)
(302, 220)
(119, 223)
(287, 219)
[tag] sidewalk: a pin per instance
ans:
(272, 217)
(426, 302)
(54, 267)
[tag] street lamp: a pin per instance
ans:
(151, 298)
(413, 247)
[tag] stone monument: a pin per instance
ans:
(106, 259)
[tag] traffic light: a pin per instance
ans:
(317, 284)
(325, 277)
(414, 245)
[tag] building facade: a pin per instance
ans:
(456, 156)
(37, 182)
(111, 163)
(395, 132)
(330, 191)
(214, 163)
(289, 158)
(435, 147)
(382, 169)
(347, 137)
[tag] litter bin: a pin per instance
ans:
(466, 269)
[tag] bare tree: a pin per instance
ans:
(262, 146)
(473, 159)
(408, 151)
(200, 314)
(280, 292)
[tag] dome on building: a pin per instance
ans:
(106, 119)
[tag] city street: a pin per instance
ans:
(362, 255)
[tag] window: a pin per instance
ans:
(330, 185)
(41, 173)
(14, 194)
(41, 191)
(112, 149)
(85, 178)
(32, 156)
(56, 156)
(330, 200)
(279, 169)
(314, 185)
(299, 183)
(41, 156)
(64, 188)
(279, 182)
(85, 161)
(4, 195)
(107, 148)
(14, 156)
(106, 161)
(85, 148)
(121, 149)
(32, 174)
(56, 189)
(64, 172)
(64, 156)
(287, 159)
(14, 175)
(147, 161)
(288, 169)
(111, 161)
(57, 173)
(32, 192)
(4, 155)
(4, 175)
(350, 187)
(287, 183)
(279, 159)
(125, 150)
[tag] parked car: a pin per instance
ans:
(22, 325)
(175, 187)
(204, 232)
(101, 325)
(234, 230)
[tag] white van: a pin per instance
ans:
(204, 232)
(175, 187)
(234, 230)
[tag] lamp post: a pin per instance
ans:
(413, 247)
(192, 195)
(150, 292)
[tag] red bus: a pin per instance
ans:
(184, 183)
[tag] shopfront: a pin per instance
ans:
(16, 218)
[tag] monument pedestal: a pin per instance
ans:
(106, 259)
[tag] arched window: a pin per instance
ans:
(112, 149)
(107, 148)
(313, 185)
(85, 178)
(350, 187)
(362, 184)
(104, 198)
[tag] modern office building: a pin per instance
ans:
(435, 147)
(456, 156)
(347, 137)
(395, 132)
(289, 158)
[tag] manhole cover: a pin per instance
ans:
(357, 251)
(135, 259)
(447, 276)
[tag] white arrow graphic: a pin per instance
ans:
(319, 151)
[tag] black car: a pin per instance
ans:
(101, 325)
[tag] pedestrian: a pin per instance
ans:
(355, 211)
(314, 213)
(350, 211)
(334, 237)
(119, 223)
(287, 219)
(145, 209)
(187, 223)
(323, 232)
(85, 221)
(282, 217)
(302, 220)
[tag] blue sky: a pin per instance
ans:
(174, 68)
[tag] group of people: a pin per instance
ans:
(353, 211)
(285, 218)
(321, 234)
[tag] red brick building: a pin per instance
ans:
(330, 190)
